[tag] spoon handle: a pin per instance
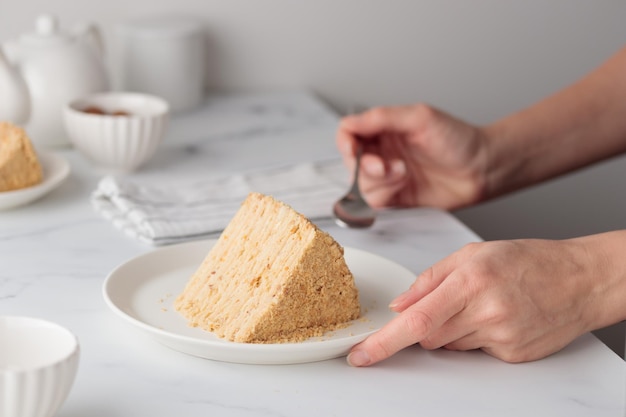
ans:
(357, 166)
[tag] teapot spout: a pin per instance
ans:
(15, 98)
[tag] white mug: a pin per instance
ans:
(163, 56)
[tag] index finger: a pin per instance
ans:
(387, 119)
(368, 125)
(411, 326)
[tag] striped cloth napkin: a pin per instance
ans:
(189, 209)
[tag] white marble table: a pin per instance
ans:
(55, 254)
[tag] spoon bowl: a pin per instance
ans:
(352, 210)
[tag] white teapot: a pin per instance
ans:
(42, 71)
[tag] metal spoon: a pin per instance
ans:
(352, 210)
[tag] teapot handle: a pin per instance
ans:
(15, 103)
(90, 33)
(11, 51)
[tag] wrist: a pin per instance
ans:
(606, 302)
(505, 164)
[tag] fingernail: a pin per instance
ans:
(358, 358)
(374, 168)
(397, 167)
(398, 300)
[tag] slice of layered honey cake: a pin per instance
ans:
(19, 166)
(272, 277)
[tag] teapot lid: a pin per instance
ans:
(46, 31)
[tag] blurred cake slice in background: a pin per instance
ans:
(19, 166)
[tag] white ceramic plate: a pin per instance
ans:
(143, 289)
(55, 170)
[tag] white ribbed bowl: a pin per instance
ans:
(117, 143)
(38, 363)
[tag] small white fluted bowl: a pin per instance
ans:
(38, 364)
(117, 142)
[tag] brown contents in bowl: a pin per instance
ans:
(93, 110)
(98, 110)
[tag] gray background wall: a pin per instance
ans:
(478, 59)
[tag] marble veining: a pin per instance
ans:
(55, 254)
